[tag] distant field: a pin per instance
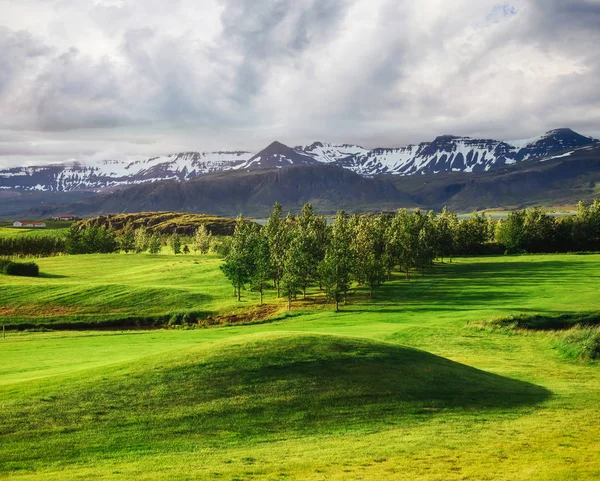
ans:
(111, 287)
(396, 388)
(52, 228)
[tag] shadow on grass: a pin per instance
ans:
(257, 389)
(45, 275)
(464, 286)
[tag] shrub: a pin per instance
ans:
(28, 269)
(579, 343)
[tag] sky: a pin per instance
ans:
(116, 79)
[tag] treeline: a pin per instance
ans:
(32, 246)
(293, 253)
(535, 231)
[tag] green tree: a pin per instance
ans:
(308, 251)
(154, 243)
(74, 240)
(292, 278)
(202, 240)
(369, 248)
(141, 240)
(175, 243)
(261, 271)
(336, 268)
(276, 233)
(445, 226)
(239, 264)
(126, 240)
(186, 249)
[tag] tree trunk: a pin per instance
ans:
(337, 305)
(239, 294)
(261, 297)
(370, 292)
(278, 290)
(304, 293)
(289, 302)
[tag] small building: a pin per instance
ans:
(26, 223)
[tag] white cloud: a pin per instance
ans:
(148, 77)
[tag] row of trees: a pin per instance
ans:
(293, 253)
(104, 240)
(535, 230)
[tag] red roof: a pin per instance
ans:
(29, 222)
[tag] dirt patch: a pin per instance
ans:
(258, 314)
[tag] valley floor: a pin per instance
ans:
(401, 387)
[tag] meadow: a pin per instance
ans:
(408, 385)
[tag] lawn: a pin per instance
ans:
(112, 287)
(401, 387)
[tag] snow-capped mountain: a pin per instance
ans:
(111, 173)
(446, 153)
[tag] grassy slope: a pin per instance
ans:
(99, 287)
(221, 405)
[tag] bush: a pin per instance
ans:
(28, 269)
(579, 343)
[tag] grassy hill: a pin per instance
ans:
(165, 222)
(117, 290)
(402, 387)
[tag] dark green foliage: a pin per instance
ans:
(539, 322)
(28, 269)
(94, 240)
(39, 245)
(175, 243)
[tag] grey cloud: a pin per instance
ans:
(378, 72)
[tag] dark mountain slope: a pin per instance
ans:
(559, 180)
(251, 193)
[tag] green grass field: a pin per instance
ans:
(53, 227)
(402, 387)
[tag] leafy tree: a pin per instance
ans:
(74, 240)
(202, 240)
(186, 249)
(510, 233)
(141, 240)
(238, 266)
(175, 243)
(292, 278)
(126, 240)
(336, 268)
(445, 227)
(154, 243)
(261, 271)
(369, 248)
(308, 251)
(276, 234)
(426, 246)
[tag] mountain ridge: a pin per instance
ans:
(446, 153)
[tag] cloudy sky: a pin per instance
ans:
(86, 79)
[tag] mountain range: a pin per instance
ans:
(446, 153)
(555, 169)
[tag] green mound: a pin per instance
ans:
(244, 391)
